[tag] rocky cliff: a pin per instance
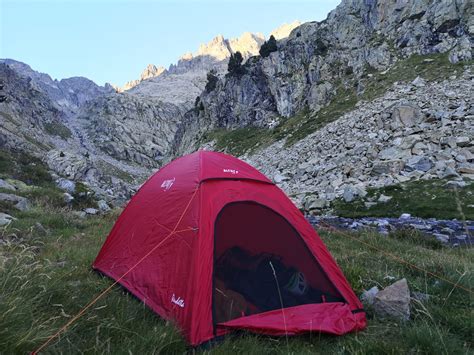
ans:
(321, 59)
(377, 94)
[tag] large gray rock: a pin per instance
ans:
(394, 301)
(19, 202)
(418, 163)
(407, 115)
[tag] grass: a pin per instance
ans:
(422, 198)
(24, 167)
(432, 67)
(47, 279)
(58, 129)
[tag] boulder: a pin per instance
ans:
(407, 115)
(418, 163)
(20, 203)
(91, 211)
(67, 185)
(5, 219)
(394, 301)
(7, 186)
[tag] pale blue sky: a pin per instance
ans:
(114, 40)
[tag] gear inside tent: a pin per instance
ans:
(215, 246)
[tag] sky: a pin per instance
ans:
(114, 40)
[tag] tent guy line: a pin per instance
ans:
(107, 290)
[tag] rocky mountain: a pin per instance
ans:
(376, 94)
(67, 94)
(395, 77)
(194, 66)
(149, 72)
(320, 59)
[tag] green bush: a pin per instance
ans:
(235, 64)
(212, 80)
(268, 47)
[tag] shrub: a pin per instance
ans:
(235, 64)
(212, 80)
(268, 47)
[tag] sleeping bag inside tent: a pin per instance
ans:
(213, 245)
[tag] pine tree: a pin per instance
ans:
(268, 47)
(235, 64)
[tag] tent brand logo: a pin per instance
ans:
(166, 185)
(178, 301)
(230, 171)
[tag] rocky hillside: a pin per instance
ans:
(376, 94)
(319, 60)
(418, 130)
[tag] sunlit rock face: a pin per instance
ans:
(317, 59)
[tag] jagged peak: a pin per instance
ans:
(284, 30)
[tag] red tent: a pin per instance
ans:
(212, 244)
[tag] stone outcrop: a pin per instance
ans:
(320, 59)
(372, 146)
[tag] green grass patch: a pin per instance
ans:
(114, 171)
(422, 198)
(24, 167)
(47, 279)
(57, 129)
(238, 141)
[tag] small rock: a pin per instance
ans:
(368, 296)
(394, 301)
(455, 184)
(103, 206)
(443, 238)
(278, 178)
(418, 82)
(91, 211)
(418, 163)
(463, 141)
(7, 186)
(79, 214)
(39, 229)
(67, 185)
(405, 216)
(68, 197)
(448, 173)
(420, 296)
(383, 198)
(466, 168)
(6, 219)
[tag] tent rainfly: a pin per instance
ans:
(212, 244)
